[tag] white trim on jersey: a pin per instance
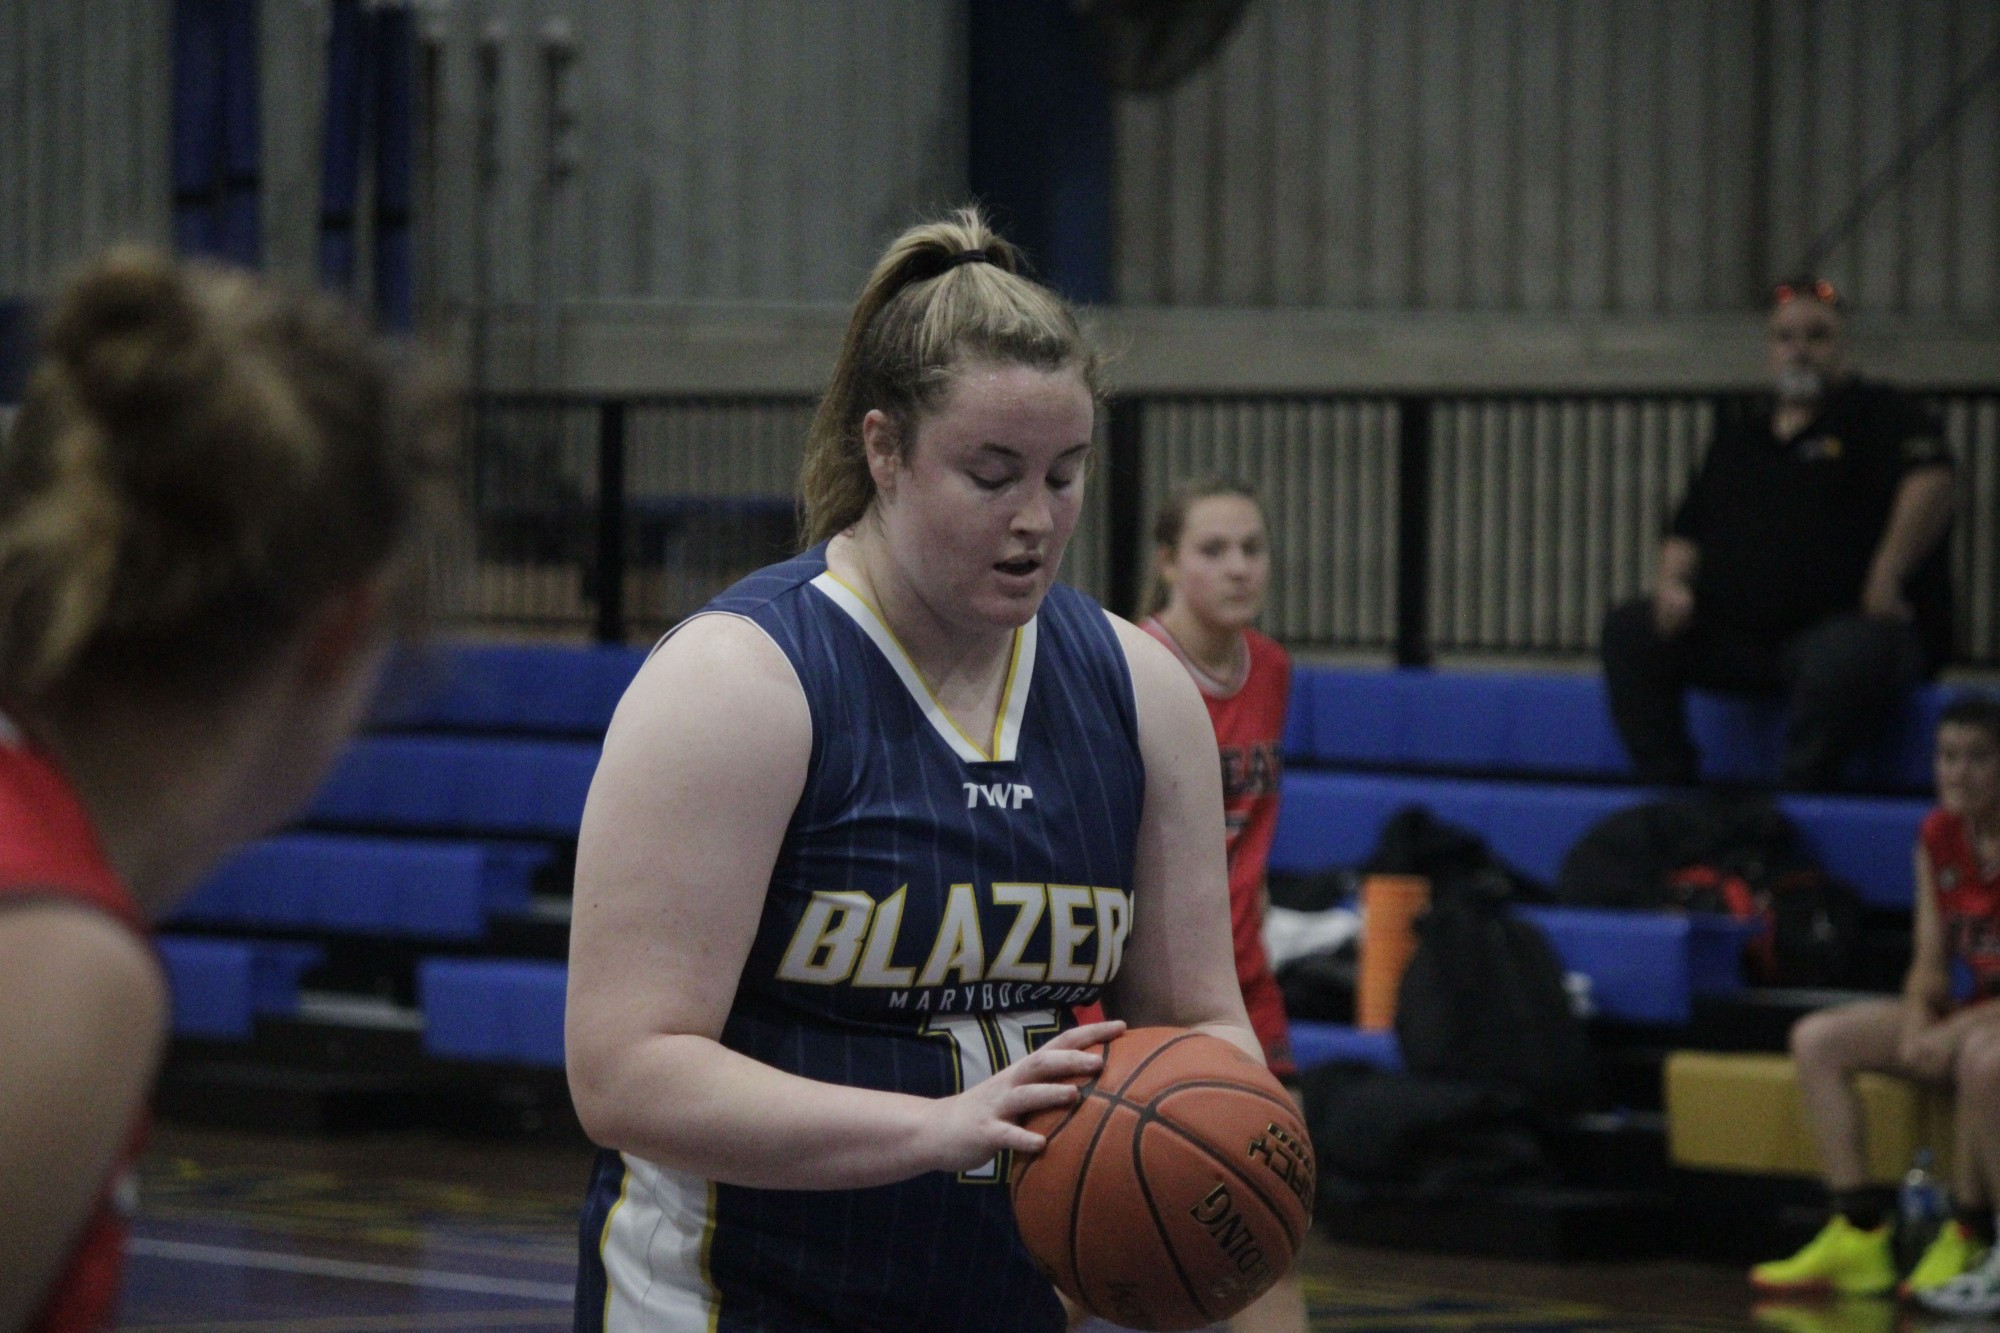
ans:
(655, 1253)
(1013, 691)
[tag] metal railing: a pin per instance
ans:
(1405, 524)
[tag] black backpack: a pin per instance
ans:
(1483, 999)
(1734, 853)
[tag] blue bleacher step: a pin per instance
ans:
(507, 687)
(1331, 820)
(1645, 967)
(465, 784)
(220, 987)
(384, 886)
(1317, 1043)
(1557, 724)
(1642, 967)
(499, 1011)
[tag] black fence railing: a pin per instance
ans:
(1404, 524)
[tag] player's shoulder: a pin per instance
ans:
(1159, 681)
(720, 666)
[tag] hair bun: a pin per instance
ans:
(130, 335)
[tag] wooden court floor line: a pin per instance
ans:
(388, 1323)
(347, 1270)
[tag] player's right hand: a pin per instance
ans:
(972, 1127)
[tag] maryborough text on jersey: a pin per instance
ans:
(1012, 944)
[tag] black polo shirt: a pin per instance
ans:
(1787, 529)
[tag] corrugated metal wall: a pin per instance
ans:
(1588, 156)
(726, 150)
(1492, 155)
(84, 94)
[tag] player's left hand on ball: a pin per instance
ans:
(985, 1118)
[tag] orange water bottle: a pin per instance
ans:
(1390, 906)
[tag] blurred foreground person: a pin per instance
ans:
(208, 505)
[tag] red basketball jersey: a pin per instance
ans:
(1249, 720)
(1968, 899)
(48, 849)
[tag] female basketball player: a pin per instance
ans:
(205, 507)
(1925, 1035)
(1211, 568)
(864, 831)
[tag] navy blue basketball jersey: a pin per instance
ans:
(938, 904)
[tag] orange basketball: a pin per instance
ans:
(1175, 1191)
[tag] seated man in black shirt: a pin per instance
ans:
(1807, 559)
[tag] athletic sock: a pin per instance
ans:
(1867, 1207)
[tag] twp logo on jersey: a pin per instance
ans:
(1005, 795)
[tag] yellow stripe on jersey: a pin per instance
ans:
(1006, 717)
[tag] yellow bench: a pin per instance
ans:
(1740, 1112)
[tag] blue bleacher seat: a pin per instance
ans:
(464, 784)
(1317, 1043)
(1646, 967)
(1556, 724)
(220, 986)
(508, 687)
(1332, 819)
(318, 881)
(493, 1009)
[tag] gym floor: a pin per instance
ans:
(267, 1233)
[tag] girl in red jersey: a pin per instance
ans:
(1211, 567)
(206, 505)
(1927, 1035)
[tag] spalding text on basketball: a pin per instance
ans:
(1218, 1215)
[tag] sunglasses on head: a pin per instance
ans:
(1817, 289)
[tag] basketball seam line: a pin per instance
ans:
(1148, 1116)
(1083, 1175)
(1095, 1088)
(1159, 1222)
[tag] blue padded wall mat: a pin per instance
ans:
(510, 687)
(464, 784)
(383, 886)
(499, 1010)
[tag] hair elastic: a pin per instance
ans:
(966, 257)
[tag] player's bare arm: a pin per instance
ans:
(79, 1044)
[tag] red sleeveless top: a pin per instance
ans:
(48, 849)
(1249, 721)
(1968, 899)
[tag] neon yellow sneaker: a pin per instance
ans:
(1953, 1251)
(1842, 1257)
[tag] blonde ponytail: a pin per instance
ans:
(943, 292)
